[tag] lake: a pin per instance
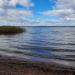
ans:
(42, 44)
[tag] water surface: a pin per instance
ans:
(45, 44)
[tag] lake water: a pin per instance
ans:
(44, 44)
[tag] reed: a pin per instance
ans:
(11, 30)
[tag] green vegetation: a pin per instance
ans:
(10, 30)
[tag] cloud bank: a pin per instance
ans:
(9, 14)
(65, 10)
(8, 7)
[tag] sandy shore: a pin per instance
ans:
(16, 67)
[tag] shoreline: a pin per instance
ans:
(19, 67)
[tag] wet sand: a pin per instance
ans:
(16, 67)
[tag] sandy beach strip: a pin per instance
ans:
(17, 67)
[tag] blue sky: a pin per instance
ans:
(39, 6)
(37, 12)
(43, 5)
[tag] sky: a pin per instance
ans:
(37, 12)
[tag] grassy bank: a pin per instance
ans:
(10, 30)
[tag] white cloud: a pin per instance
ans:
(68, 4)
(58, 12)
(1, 3)
(64, 8)
(13, 2)
(27, 3)
(61, 4)
(14, 14)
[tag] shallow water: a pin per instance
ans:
(45, 44)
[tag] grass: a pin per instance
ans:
(10, 30)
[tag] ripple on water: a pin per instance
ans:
(47, 44)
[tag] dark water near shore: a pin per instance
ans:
(45, 44)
